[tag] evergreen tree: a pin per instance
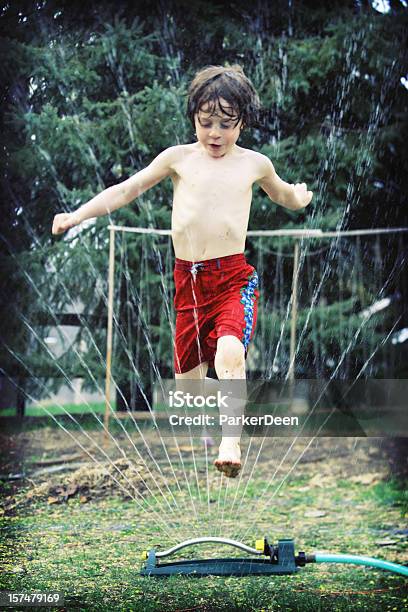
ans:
(93, 95)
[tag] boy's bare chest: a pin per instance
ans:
(215, 178)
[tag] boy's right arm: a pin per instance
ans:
(121, 194)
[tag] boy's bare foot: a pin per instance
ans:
(229, 458)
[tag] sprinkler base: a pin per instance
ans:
(281, 562)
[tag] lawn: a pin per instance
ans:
(76, 530)
(39, 411)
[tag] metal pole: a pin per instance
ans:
(291, 371)
(111, 280)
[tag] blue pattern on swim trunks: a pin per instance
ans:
(248, 299)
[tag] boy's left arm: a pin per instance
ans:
(293, 197)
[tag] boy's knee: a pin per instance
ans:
(230, 358)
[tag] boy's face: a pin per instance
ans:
(217, 132)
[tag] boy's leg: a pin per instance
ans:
(196, 373)
(189, 382)
(230, 365)
(230, 359)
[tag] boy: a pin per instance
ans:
(216, 290)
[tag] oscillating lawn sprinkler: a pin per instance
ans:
(269, 559)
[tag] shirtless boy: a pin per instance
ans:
(216, 289)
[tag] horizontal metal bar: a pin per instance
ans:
(294, 233)
(139, 230)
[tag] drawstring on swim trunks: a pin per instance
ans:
(194, 268)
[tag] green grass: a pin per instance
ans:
(38, 411)
(392, 493)
(91, 553)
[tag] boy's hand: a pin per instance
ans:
(63, 222)
(301, 195)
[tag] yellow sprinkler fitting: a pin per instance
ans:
(260, 544)
(144, 555)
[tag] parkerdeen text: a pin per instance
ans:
(224, 419)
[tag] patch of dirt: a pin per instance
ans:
(54, 467)
(92, 481)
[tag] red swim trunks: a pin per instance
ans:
(214, 298)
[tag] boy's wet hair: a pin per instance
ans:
(230, 83)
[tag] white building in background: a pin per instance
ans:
(59, 340)
(68, 395)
